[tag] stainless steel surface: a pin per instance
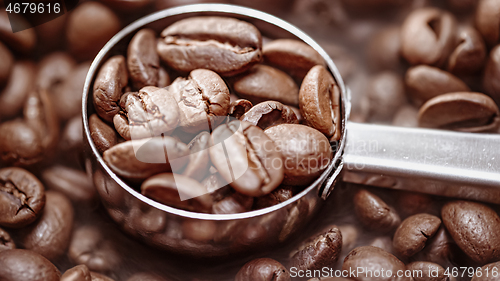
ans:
(172, 229)
(463, 165)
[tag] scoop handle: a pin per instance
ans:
(439, 162)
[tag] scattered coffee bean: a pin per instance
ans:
(26, 265)
(374, 213)
(469, 55)
(75, 184)
(102, 134)
(413, 233)
(487, 21)
(17, 88)
(480, 276)
(142, 59)
(263, 269)
(427, 271)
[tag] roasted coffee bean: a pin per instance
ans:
(145, 277)
(265, 269)
(75, 184)
(383, 242)
(469, 55)
(177, 191)
(108, 87)
(314, 13)
(426, 82)
(377, 259)
(203, 100)
(199, 230)
(292, 56)
(23, 41)
(465, 111)
(146, 219)
(491, 74)
(53, 69)
(26, 265)
(487, 21)
(22, 197)
(68, 96)
(480, 273)
(318, 252)
(150, 112)
(270, 113)
(239, 107)
(264, 83)
(102, 134)
(427, 271)
(319, 100)
(277, 196)
(217, 186)
(374, 213)
(384, 50)
(252, 157)
(142, 59)
(306, 152)
(50, 235)
(225, 45)
(19, 85)
(406, 116)
(199, 159)
(428, 36)
(6, 242)
(140, 159)
(475, 228)
(413, 233)
(232, 204)
(7, 63)
(440, 249)
(20, 144)
(386, 95)
(89, 27)
(90, 247)
(77, 273)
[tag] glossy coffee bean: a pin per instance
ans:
(319, 100)
(491, 74)
(50, 235)
(89, 246)
(475, 228)
(22, 197)
(413, 233)
(374, 213)
(53, 69)
(193, 43)
(319, 251)
(429, 271)
(199, 159)
(265, 83)
(292, 56)
(178, 191)
(263, 269)
(469, 55)
(150, 112)
(72, 138)
(143, 61)
(270, 113)
(77, 273)
(6, 242)
(17, 88)
(440, 249)
(377, 259)
(428, 36)
(386, 94)
(481, 276)
(68, 96)
(108, 87)
(426, 82)
(255, 163)
(145, 277)
(75, 184)
(89, 27)
(384, 49)
(23, 41)
(306, 152)
(20, 144)
(465, 111)
(26, 265)
(487, 21)
(102, 134)
(239, 107)
(8, 62)
(280, 194)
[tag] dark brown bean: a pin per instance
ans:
(292, 56)
(6, 242)
(277, 196)
(491, 82)
(140, 159)
(319, 100)
(319, 251)
(426, 82)
(22, 197)
(19, 85)
(374, 213)
(178, 191)
(199, 159)
(264, 269)
(475, 228)
(427, 271)
(50, 235)
(440, 249)
(487, 21)
(75, 184)
(465, 111)
(428, 36)
(306, 152)
(239, 107)
(23, 41)
(264, 83)
(20, 144)
(26, 265)
(480, 275)
(103, 136)
(7, 60)
(469, 54)
(225, 45)
(270, 113)
(108, 87)
(142, 59)
(386, 95)
(413, 233)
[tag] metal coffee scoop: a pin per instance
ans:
(438, 162)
